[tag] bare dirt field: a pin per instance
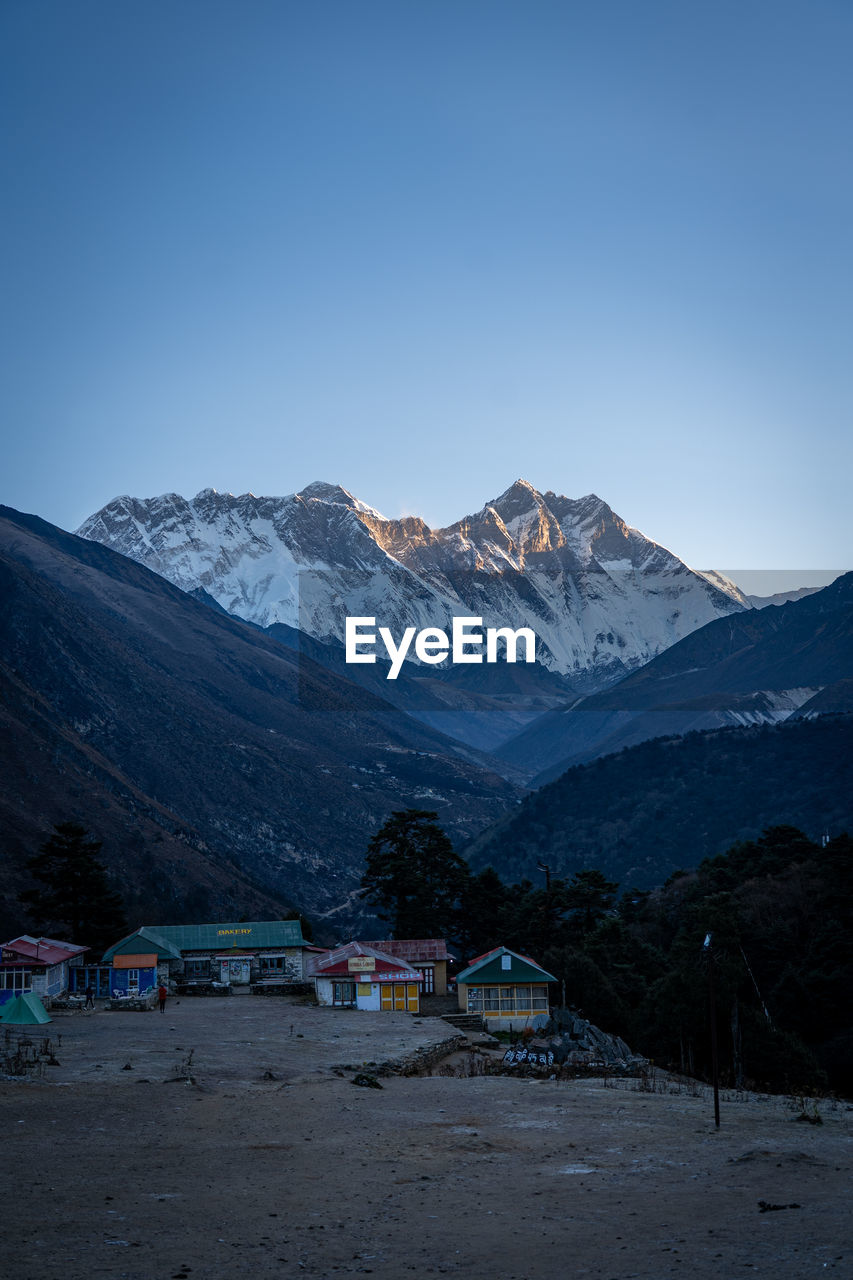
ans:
(271, 1164)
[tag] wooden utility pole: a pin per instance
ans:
(712, 1013)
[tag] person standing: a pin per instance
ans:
(161, 995)
(90, 997)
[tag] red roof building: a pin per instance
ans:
(39, 965)
(360, 976)
(428, 955)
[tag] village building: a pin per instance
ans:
(266, 952)
(44, 966)
(87, 974)
(358, 975)
(509, 990)
(429, 956)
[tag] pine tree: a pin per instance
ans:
(485, 905)
(589, 896)
(73, 898)
(414, 876)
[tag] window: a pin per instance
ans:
(272, 966)
(343, 993)
(196, 970)
(508, 1000)
(506, 962)
(428, 971)
(133, 979)
(82, 976)
(17, 980)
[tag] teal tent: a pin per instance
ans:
(23, 1011)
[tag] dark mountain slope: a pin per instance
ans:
(481, 706)
(667, 804)
(753, 667)
(205, 754)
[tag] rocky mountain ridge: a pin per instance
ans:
(601, 597)
(759, 667)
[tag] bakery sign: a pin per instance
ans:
(361, 964)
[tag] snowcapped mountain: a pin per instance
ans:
(601, 598)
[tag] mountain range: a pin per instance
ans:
(756, 667)
(601, 598)
(226, 774)
(238, 765)
(606, 603)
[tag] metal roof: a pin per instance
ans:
(174, 940)
(336, 962)
(132, 945)
(413, 949)
(487, 968)
(31, 950)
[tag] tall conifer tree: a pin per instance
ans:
(73, 897)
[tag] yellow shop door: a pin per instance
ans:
(400, 995)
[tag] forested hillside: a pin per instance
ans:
(779, 912)
(665, 805)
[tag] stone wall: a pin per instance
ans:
(269, 988)
(414, 1063)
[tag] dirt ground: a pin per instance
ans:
(271, 1164)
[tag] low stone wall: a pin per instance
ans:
(66, 1004)
(282, 988)
(411, 1064)
(203, 989)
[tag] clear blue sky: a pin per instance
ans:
(422, 248)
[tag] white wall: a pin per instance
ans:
(369, 1002)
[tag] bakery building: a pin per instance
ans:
(241, 954)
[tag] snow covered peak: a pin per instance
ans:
(323, 492)
(519, 497)
(600, 596)
(724, 584)
(320, 491)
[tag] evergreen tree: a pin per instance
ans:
(73, 898)
(485, 907)
(589, 896)
(414, 876)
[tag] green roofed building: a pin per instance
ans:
(508, 989)
(265, 952)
